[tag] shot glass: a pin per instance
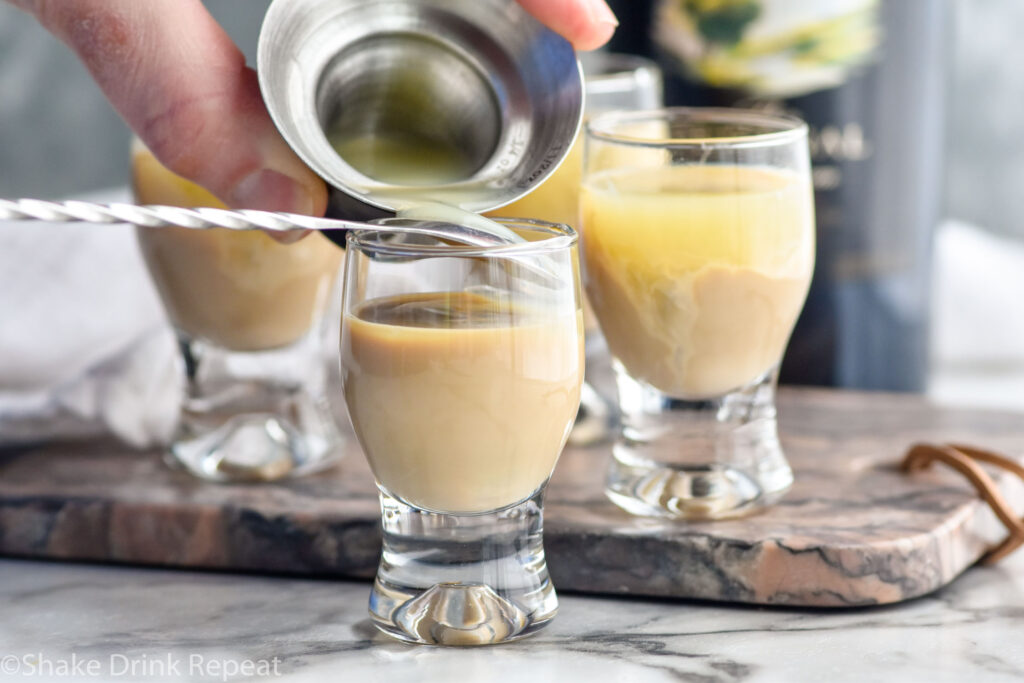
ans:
(249, 314)
(462, 370)
(698, 243)
(611, 82)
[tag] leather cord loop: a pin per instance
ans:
(964, 459)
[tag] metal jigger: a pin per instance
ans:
(480, 75)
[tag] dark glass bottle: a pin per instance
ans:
(877, 150)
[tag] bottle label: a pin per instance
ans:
(769, 48)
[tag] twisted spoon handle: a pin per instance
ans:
(164, 216)
(205, 219)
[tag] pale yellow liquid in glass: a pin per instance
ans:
(697, 273)
(242, 291)
(462, 403)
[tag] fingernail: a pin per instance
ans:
(601, 13)
(289, 237)
(269, 190)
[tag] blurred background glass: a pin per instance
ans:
(257, 335)
(59, 137)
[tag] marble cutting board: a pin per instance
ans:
(853, 530)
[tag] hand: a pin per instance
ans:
(183, 87)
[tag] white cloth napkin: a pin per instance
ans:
(85, 347)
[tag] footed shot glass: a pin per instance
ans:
(698, 242)
(462, 369)
(249, 314)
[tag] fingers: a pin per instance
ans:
(587, 24)
(182, 85)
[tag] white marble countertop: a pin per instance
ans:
(58, 620)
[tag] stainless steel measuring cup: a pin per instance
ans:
(480, 77)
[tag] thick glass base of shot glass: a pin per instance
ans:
(462, 579)
(254, 416)
(711, 459)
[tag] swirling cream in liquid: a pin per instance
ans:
(697, 273)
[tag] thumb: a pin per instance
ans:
(587, 24)
(182, 85)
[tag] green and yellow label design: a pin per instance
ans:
(769, 48)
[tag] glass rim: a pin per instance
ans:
(615, 66)
(562, 236)
(780, 129)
